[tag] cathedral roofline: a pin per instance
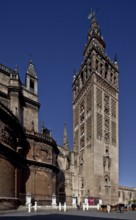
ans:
(6, 69)
(42, 138)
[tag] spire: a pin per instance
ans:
(75, 149)
(14, 75)
(94, 28)
(42, 126)
(94, 37)
(31, 69)
(65, 138)
(16, 68)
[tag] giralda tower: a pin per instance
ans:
(95, 119)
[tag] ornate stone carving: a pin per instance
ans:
(99, 98)
(8, 137)
(81, 160)
(107, 123)
(82, 142)
(106, 163)
(113, 133)
(106, 99)
(107, 137)
(99, 126)
(42, 154)
(106, 110)
(106, 86)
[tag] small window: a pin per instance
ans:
(106, 74)
(107, 181)
(31, 85)
(107, 151)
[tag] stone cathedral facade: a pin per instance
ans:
(95, 119)
(28, 158)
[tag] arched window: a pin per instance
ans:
(107, 180)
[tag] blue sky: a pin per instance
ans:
(53, 33)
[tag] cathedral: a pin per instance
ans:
(33, 164)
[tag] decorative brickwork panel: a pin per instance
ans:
(107, 123)
(106, 99)
(81, 159)
(113, 132)
(107, 137)
(106, 105)
(89, 101)
(76, 115)
(82, 129)
(99, 98)
(76, 138)
(89, 128)
(104, 85)
(82, 117)
(99, 126)
(113, 108)
(82, 142)
(82, 107)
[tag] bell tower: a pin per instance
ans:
(95, 118)
(31, 79)
(30, 92)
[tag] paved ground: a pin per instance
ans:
(68, 215)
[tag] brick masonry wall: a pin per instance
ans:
(7, 178)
